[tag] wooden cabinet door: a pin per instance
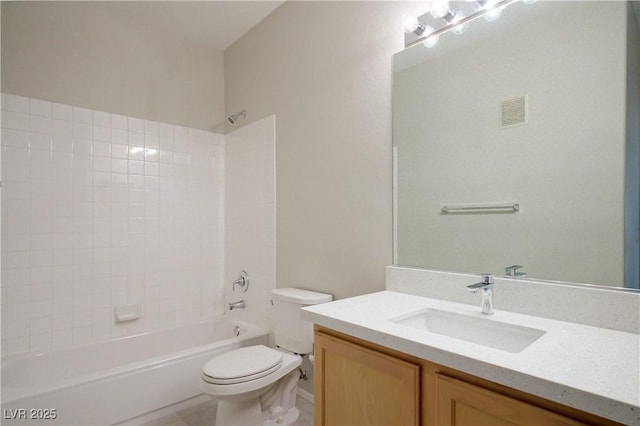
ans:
(358, 386)
(461, 404)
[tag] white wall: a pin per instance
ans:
(324, 69)
(565, 167)
(101, 210)
(87, 54)
(250, 218)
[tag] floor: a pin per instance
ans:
(205, 414)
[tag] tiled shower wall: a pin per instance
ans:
(101, 210)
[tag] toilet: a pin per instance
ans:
(256, 385)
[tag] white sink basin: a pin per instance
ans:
(494, 334)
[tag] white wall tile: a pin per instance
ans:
(15, 138)
(81, 146)
(118, 122)
(101, 133)
(16, 103)
(119, 151)
(40, 141)
(62, 112)
(62, 338)
(16, 120)
(101, 118)
(135, 125)
(16, 156)
(82, 115)
(18, 242)
(82, 130)
(40, 108)
(40, 124)
(101, 149)
(62, 128)
(97, 215)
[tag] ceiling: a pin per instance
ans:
(215, 24)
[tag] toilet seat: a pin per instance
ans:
(246, 388)
(242, 365)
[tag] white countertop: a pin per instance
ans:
(592, 369)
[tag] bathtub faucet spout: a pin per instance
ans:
(236, 305)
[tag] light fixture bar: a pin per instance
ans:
(451, 25)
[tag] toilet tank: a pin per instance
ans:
(291, 332)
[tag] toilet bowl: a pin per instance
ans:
(247, 383)
(240, 373)
(256, 385)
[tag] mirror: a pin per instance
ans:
(516, 143)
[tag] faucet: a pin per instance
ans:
(236, 305)
(512, 271)
(486, 285)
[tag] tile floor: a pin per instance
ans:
(205, 414)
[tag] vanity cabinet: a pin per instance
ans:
(361, 386)
(361, 383)
(462, 404)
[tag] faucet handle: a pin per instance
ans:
(487, 281)
(487, 278)
(242, 281)
(512, 271)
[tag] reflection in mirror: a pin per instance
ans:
(526, 131)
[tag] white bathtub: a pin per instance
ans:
(107, 383)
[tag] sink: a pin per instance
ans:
(494, 334)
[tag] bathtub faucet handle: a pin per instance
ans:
(242, 281)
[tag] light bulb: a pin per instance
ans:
(439, 8)
(486, 4)
(460, 28)
(431, 40)
(493, 14)
(413, 25)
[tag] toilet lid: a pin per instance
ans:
(241, 365)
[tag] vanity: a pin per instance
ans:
(407, 357)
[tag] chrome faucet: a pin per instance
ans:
(236, 305)
(512, 271)
(486, 285)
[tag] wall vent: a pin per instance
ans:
(514, 112)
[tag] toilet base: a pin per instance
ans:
(247, 412)
(287, 419)
(275, 406)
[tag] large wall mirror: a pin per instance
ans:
(516, 143)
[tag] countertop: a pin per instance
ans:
(592, 369)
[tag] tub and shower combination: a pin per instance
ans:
(110, 382)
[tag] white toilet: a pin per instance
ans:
(256, 385)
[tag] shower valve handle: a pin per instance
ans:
(242, 281)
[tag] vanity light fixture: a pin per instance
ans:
(427, 28)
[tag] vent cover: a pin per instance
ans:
(514, 112)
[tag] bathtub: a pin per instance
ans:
(110, 382)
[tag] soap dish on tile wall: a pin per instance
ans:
(128, 312)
